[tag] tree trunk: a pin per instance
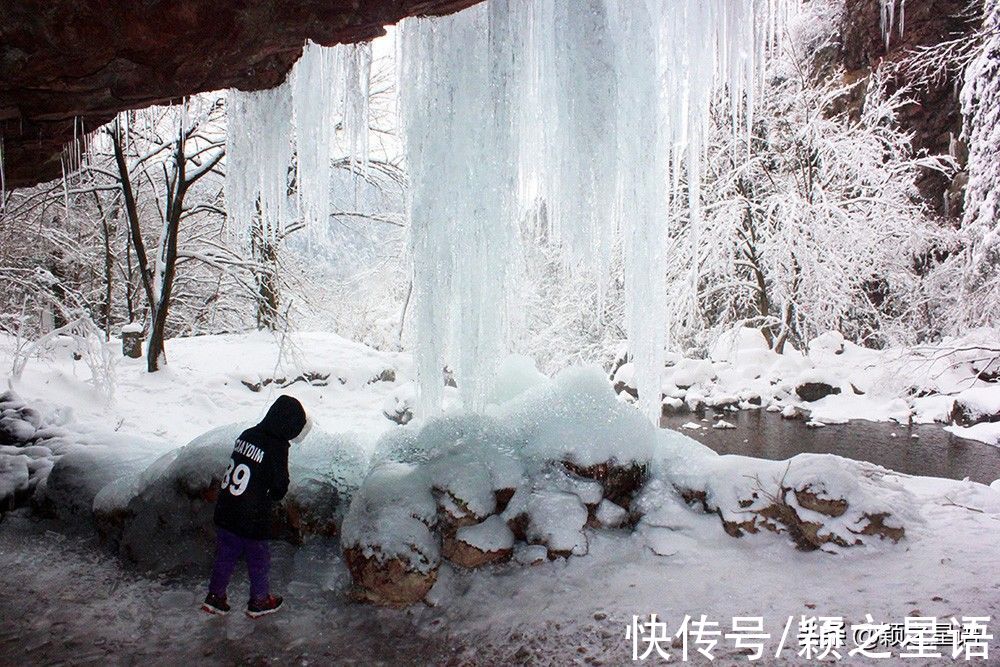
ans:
(268, 287)
(167, 265)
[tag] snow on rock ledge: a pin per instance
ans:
(532, 479)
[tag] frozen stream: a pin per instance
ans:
(925, 449)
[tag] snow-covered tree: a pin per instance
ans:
(980, 259)
(812, 219)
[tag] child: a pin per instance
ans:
(257, 477)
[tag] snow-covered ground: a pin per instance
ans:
(203, 387)
(67, 599)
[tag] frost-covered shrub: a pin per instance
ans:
(813, 220)
(978, 262)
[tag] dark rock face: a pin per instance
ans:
(813, 391)
(67, 67)
(936, 117)
(965, 413)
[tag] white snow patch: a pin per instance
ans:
(489, 535)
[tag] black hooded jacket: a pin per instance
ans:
(257, 475)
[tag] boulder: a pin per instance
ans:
(490, 541)
(161, 519)
(387, 581)
(15, 431)
(814, 391)
(976, 406)
(620, 481)
(82, 470)
(816, 500)
(398, 406)
(531, 554)
(388, 537)
(611, 515)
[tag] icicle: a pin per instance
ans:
(603, 106)
(890, 21)
(463, 178)
(357, 78)
(641, 180)
(316, 113)
(258, 154)
(568, 124)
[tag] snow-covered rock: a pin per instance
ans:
(31, 440)
(741, 345)
(490, 541)
(391, 551)
(819, 501)
(611, 515)
(976, 406)
(556, 519)
(398, 406)
(161, 518)
(85, 468)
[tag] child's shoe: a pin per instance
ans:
(268, 605)
(215, 604)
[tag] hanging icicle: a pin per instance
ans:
(593, 111)
(258, 155)
(463, 179)
(327, 91)
(892, 17)
(314, 99)
(357, 68)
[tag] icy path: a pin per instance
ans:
(66, 601)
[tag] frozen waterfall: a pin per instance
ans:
(599, 109)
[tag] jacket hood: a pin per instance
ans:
(285, 419)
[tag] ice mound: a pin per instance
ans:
(577, 417)
(160, 518)
(469, 487)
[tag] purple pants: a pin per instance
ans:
(229, 547)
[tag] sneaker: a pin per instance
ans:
(215, 604)
(269, 605)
